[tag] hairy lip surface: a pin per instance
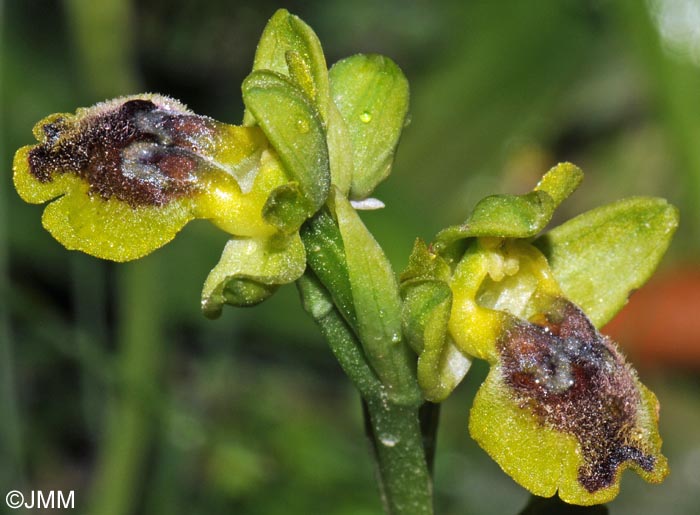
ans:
(575, 380)
(136, 152)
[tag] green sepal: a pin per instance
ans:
(300, 74)
(249, 271)
(514, 216)
(560, 182)
(285, 34)
(294, 127)
(371, 93)
(601, 256)
(377, 304)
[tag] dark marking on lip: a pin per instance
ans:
(137, 152)
(575, 380)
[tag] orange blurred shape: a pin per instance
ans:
(660, 326)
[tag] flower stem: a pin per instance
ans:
(403, 475)
(402, 435)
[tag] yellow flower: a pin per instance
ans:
(561, 410)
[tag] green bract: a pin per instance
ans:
(426, 314)
(377, 303)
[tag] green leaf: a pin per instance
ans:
(515, 216)
(286, 33)
(601, 256)
(294, 128)
(378, 307)
(249, 271)
(372, 95)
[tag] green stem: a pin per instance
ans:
(404, 479)
(402, 436)
(340, 337)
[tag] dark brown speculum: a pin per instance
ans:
(574, 380)
(137, 152)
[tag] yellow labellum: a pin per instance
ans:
(131, 172)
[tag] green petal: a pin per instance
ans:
(249, 271)
(294, 128)
(372, 96)
(285, 208)
(601, 256)
(424, 264)
(285, 34)
(515, 216)
(561, 411)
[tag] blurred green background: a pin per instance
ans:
(112, 384)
